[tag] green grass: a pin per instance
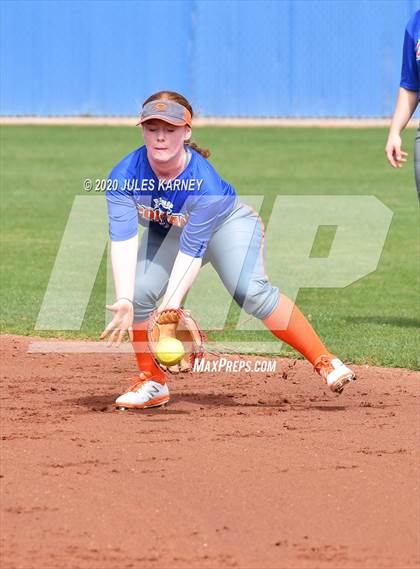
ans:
(373, 321)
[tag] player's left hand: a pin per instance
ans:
(395, 156)
(121, 323)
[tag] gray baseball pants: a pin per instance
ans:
(417, 161)
(236, 252)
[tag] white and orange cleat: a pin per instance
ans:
(143, 394)
(335, 374)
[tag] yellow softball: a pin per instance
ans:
(169, 351)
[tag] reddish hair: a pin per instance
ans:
(173, 96)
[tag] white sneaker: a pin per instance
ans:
(335, 374)
(143, 394)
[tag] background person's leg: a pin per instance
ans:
(417, 162)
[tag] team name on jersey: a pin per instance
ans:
(162, 214)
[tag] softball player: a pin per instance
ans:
(192, 216)
(407, 101)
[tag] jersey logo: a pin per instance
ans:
(161, 213)
(418, 50)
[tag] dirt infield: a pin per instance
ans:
(239, 471)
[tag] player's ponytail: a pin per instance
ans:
(203, 151)
(173, 96)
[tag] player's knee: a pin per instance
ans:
(144, 304)
(259, 298)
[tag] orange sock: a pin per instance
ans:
(289, 325)
(145, 360)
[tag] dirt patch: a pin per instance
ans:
(240, 470)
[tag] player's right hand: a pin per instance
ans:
(395, 156)
(121, 323)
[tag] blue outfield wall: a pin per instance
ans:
(230, 58)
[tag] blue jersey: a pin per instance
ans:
(192, 205)
(410, 73)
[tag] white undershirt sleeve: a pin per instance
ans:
(124, 262)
